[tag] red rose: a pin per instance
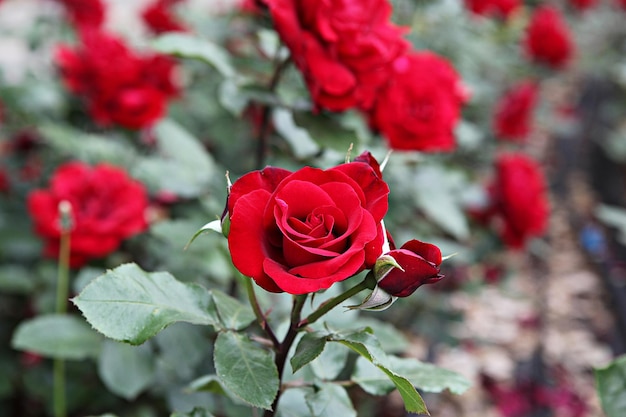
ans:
(548, 39)
(513, 113)
(420, 105)
(583, 5)
(420, 263)
(301, 232)
(107, 207)
(519, 199)
(343, 48)
(85, 14)
(132, 93)
(499, 8)
(159, 18)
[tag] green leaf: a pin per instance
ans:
(15, 279)
(292, 403)
(182, 347)
(301, 142)
(310, 347)
(365, 344)
(209, 383)
(183, 166)
(232, 314)
(426, 377)
(126, 370)
(57, 336)
(611, 385)
(246, 369)
(131, 305)
(331, 362)
(330, 400)
(188, 46)
(391, 339)
(196, 412)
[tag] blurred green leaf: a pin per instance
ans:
(614, 217)
(183, 168)
(310, 347)
(184, 45)
(131, 305)
(196, 412)
(293, 403)
(182, 347)
(329, 364)
(16, 279)
(611, 386)
(246, 369)
(57, 336)
(233, 314)
(126, 370)
(299, 139)
(330, 400)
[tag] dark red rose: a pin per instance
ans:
(420, 105)
(85, 14)
(107, 207)
(548, 39)
(132, 93)
(302, 231)
(513, 114)
(343, 48)
(519, 198)
(420, 264)
(582, 5)
(5, 183)
(497, 8)
(159, 18)
(622, 4)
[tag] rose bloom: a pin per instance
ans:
(107, 207)
(132, 93)
(420, 262)
(420, 105)
(343, 48)
(159, 18)
(582, 5)
(548, 39)
(302, 231)
(519, 199)
(85, 14)
(513, 113)
(499, 8)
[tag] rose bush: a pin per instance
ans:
(302, 231)
(107, 207)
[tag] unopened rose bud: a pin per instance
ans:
(417, 264)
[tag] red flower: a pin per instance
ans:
(132, 93)
(158, 17)
(499, 8)
(301, 232)
(107, 207)
(343, 48)
(420, 264)
(85, 14)
(519, 199)
(548, 39)
(420, 105)
(583, 5)
(514, 111)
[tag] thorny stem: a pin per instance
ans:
(368, 283)
(260, 316)
(285, 346)
(59, 403)
(265, 116)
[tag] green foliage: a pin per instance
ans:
(611, 385)
(330, 400)
(126, 370)
(246, 369)
(57, 336)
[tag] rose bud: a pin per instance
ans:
(401, 271)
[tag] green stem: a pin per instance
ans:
(283, 351)
(63, 279)
(260, 316)
(368, 283)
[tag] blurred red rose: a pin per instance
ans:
(159, 18)
(420, 105)
(548, 39)
(107, 207)
(343, 48)
(85, 14)
(519, 198)
(420, 262)
(498, 8)
(513, 114)
(302, 231)
(132, 93)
